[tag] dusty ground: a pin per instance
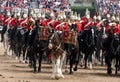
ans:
(12, 71)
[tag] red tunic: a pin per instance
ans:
(65, 26)
(62, 27)
(5, 22)
(20, 23)
(99, 25)
(79, 26)
(43, 23)
(88, 25)
(107, 28)
(84, 19)
(55, 24)
(13, 21)
(117, 29)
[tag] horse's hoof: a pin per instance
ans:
(57, 76)
(31, 66)
(20, 61)
(5, 53)
(75, 69)
(81, 65)
(109, 72)
(62, 76)
(35, 71)
(66, 71)
(102, 65)
(39, 71)
(52, 76)
(85, 67)
(23, 62)
(116, 72)
(26, 62)
(71, 73)
(119, 68)
(16, 58)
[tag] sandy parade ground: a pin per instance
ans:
(13, 71)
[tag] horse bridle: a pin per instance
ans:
(57, 47)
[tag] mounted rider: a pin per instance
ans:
(5, 21)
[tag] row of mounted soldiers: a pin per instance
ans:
(61, 22)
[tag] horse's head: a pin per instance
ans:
(53, 40)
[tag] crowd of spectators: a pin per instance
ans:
(108, 7)
(56, 5)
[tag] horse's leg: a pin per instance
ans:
(119, 64)
(16, 51)
(25, 54)
(40, 60)
(71, 64)
(54, 67)
(90, 60)
(86, 57)
(57, 75)
(108, 62)
(34, 61)
(61, 64)
(116, 66)
(5, 46)
(19, 53)
(81, 59)
(76, 61)
(102, 58)
(97, 56)
(30, 56)
(66, 64)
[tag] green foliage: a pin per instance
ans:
(82, 9)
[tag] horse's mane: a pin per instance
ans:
(57, 38)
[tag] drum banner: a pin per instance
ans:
(44, 33)
(69, 37)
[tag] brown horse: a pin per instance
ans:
(57, 54)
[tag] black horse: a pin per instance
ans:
(113, 54)
(72, 56)
(36, 47)
(117, 53)
(111, 46)
(87, 45)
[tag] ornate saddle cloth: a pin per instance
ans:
(44, 33)
(69, 37)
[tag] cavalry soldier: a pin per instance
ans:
(43, 20)
(85, 19)
(5, 21)
(62, 24)
(117, 27)
(99, 23)
(50, 21)
(24, 21)
(89, 24)
(79, 23)
(73, 25)
(28, 23)
(14, 20)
